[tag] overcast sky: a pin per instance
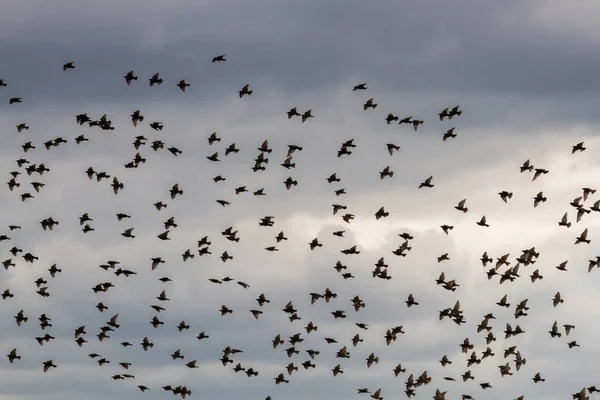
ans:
(525, 75)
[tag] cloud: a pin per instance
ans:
(520, 102)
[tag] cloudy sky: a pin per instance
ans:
(525, 74)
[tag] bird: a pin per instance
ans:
(391, 118)
(130, 77)
(483, 222)
(293, 113)
(455, 111)
(444, 114)
(564, 221)
(386, 173)
(526, 167)
(578, 147)
(182, 85)
(155, 80)
(582, 238)
(164, 235)
(539, 172)
(245, 91)
(21, 127)
(392, 147)
(447, 228)
(411, 301)
(48, 364)
(427, 183)
(12, 356)
(66, 66)
(461, 206)
(449, 134)
(306, 115)
(369, 104)
(415, 123)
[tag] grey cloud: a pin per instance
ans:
(521, 100)
(467, 48)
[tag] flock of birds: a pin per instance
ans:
(502, 268)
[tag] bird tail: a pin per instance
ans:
(374, 106)
(391, 174)
(249, 92)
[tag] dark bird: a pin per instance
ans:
(427, 183)
(48, 364)
(369, 104)
(245, 91)
(583, 238)
(449, 134)
(443, 114)
(164, 235)
(12, 356)
(391, 148)
(538, 173)
(293, 113)
(155, 80)
(578, 147)
(214, 157)
(182, 85)
(213, 138)
(391, 118)
(307, 114)
(130, 77)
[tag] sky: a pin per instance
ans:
(524, 74)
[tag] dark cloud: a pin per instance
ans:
(462, 50)
(525, 95)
